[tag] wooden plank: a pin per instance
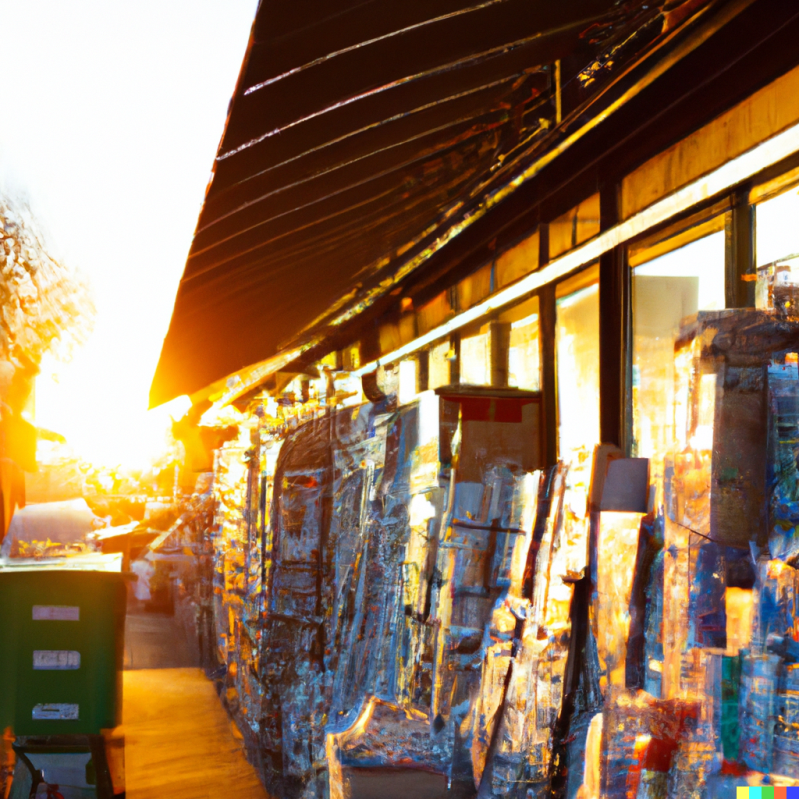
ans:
(757, 118)
(740, 251)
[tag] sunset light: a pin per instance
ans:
(116, 202)
(399, 398)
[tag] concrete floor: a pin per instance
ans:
(156, 641)
(179, 741)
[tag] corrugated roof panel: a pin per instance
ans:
(356, 126)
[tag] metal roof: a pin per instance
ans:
(357, 132)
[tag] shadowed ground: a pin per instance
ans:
(155, 641)
(388, 783)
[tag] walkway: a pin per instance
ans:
(179, 741)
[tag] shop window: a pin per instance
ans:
(666, 290)
(476, 359)
(577, 353)
(407, 327)
(351, 358)
(517, 262)
(434, 313)
(778, 229)
(389, 337)
(524, 351)
(408, 380)
(777, 241)
(475, 288)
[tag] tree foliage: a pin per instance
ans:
(44, 306)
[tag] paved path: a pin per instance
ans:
(179, 741)
(156, 641)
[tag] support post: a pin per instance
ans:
(739, 233)
(422, 370)
(499, 341)
(549, 393)
(455, 360)
(614, 331)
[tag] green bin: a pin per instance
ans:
(61, 651)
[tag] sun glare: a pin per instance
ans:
(112, 142)
(114, 433)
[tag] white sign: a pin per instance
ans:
(55, 712)
(56, 659)
(56, 613)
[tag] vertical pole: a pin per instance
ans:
(549, 394)
(455, 360)
(739, 231)
(614, 330)
(499, 342)
(558, 98)
(422, 371)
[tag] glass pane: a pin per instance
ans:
(574, 227)
(408, 370)
(778, 228)
(665, 291)
(577, 342)
(524, 356)
(778, 251)
(475, 360)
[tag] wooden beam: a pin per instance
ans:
(739, 232)
(499, 341)
(614, 319)
(549, 393)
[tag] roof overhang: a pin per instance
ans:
(361, 144)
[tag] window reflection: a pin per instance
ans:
(524, 346)
(777, 244)
(408, 380)
(440, 355)
(524, 354)
(665, 291)
(577, 343)
(778, 229)
(476, 360)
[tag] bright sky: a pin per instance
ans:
(112, 113)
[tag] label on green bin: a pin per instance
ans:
(56, 613)
(56, 712)
(55, 659)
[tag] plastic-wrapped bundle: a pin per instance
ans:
(786, 728)
(783, 383)
(759, 682)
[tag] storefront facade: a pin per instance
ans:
(432, 568)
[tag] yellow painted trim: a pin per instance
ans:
(762, 115)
